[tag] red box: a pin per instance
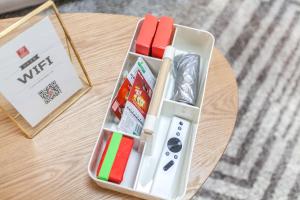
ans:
(163, 36)
(146, 35)
(120, 163)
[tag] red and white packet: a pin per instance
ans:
(118, 103)
(136, 107)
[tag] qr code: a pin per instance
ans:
(50, 92)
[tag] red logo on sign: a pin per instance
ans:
(22, 52)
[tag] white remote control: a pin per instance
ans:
(171, 158)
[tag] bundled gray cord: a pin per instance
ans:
(186, 71)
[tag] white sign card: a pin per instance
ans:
(36, 74)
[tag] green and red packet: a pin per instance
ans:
(114, 158)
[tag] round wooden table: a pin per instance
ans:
(53, 165)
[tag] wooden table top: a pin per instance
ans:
(53, 165)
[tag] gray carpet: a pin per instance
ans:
(261, 39)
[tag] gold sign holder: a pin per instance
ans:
(46, 9)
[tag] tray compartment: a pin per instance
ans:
(153, 63)
(149, 163)
(196, 41)
(137, 30)
(132, 165)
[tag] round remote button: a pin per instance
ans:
(167, 153)
(174, 145)
(178, 134)
(175, 157)
(179, 128)
(181, 123)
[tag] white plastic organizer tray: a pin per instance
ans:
(140, 170)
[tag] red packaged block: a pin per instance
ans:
(146, 35)
(104, 154)
(114, 159)
(119, 166)
(163, 36)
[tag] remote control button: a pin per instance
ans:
(174, 144)
(181, 123)
(175, 156)
(167, 153)
(179, 128)
(178, 134)
(168, 165)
